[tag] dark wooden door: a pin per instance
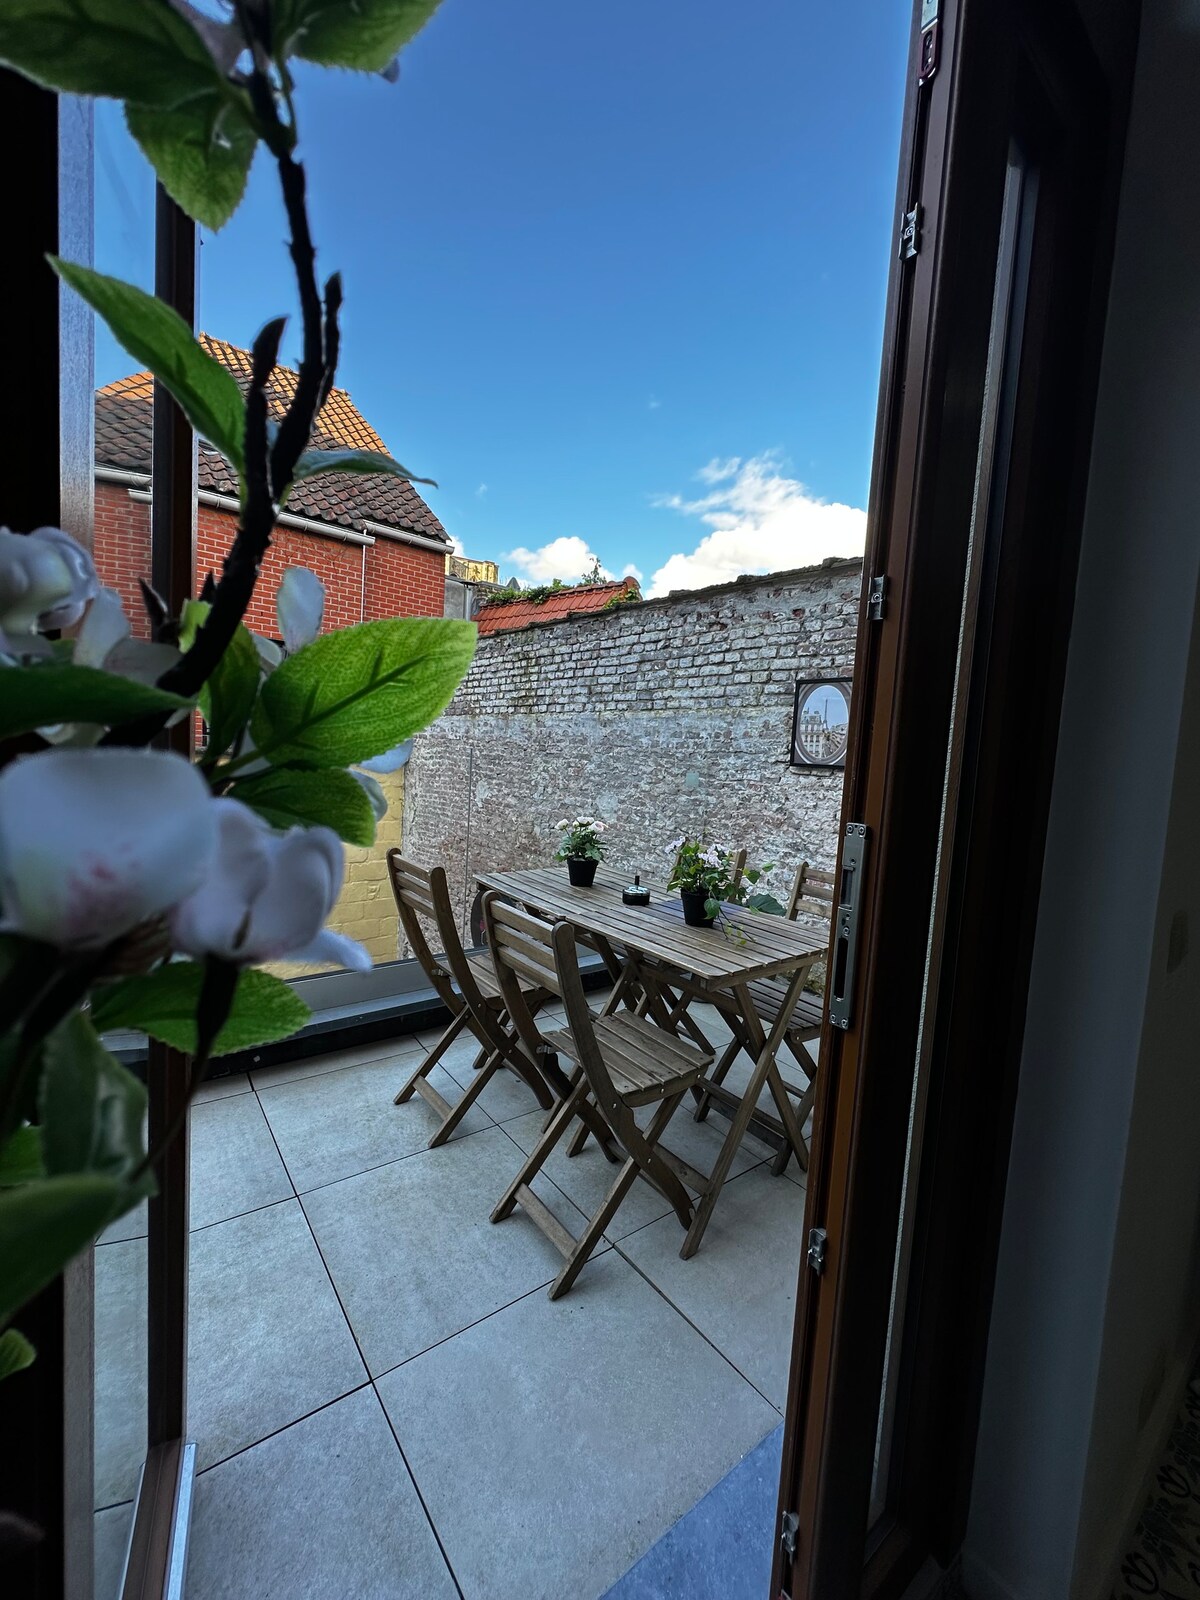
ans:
(1010, 169)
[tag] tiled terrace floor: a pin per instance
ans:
(385, 1403)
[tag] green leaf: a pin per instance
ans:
(227, 699)
(163, 1004)
(352, 695)
(91, 1107)
(162, 341)
(21, 1158)
(201, 150)
(287, 797)
(16, 1353)
(365, 35)
(313, 462)
(767, 903)
(45, 1225)
(139, 50)
(51, 692)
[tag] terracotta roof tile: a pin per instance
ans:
(505, 615)
(124, 431)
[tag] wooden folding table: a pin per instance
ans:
(648, 947)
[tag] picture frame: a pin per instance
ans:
(820, 722)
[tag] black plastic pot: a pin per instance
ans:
(694, 902)
(581, 871)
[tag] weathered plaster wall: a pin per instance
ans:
(670, 716)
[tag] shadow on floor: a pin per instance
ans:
(721, 1549)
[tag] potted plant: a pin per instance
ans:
(707, 878)
(581, 849)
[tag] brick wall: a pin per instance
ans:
(122, 548)
(386, 579)
(673, 716)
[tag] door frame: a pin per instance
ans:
(996, 62)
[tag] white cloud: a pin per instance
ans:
(761, 521)
(654, 403)
(566, 558)
(481, 491)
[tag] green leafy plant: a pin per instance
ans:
(139, 890)
(711, 869)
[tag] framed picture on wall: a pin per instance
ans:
(821, 722)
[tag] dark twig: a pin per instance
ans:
(266, 480)
(333, 305)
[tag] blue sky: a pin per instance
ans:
(614, 275)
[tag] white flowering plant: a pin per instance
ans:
(142, 887)
(711, 869)
(581, 839)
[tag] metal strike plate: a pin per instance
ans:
(789, 1529)
(910, 234)
(818, 1241)
(844, 953)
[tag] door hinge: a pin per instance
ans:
(910, 233)
(818, 1242)
(877, 597)
(789, 1529)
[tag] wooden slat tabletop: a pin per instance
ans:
(773, 945)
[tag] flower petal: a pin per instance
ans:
(214, 920)
(306, 867)
(334, 949)
(92, 842)
(84, 584)
(299, 607)
(390, 761)
(33, 576)
(379, 801)
(104, 627)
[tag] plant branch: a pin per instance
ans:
(269, 468)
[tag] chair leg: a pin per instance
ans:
(611, 1204)
(537, 1156)
(455, 1027)
(469, 1096)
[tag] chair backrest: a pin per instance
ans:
(739, 866)
(423, 895)
(812, 893)
(529, 947)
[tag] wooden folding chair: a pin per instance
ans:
(811, 898)
(466, 985)
(623, 1062)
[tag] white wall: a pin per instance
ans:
(1096, 1307)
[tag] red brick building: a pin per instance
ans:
(376, 545)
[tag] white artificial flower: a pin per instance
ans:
(711, 857)
(267, 896)
(390, 761)
(269, 653)
(94, 842)
(106, 640)
(675, 846)
(299, 607)
(599, 827)
(379, 801)
(563, 824)
(46, 580)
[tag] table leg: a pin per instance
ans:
(763, 1047)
